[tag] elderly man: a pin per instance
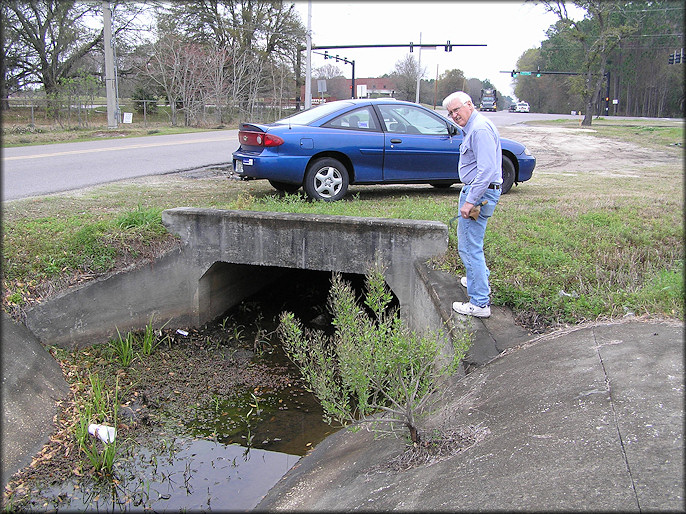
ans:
(480, 171)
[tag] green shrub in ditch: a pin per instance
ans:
(372, 363)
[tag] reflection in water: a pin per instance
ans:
(184, 474)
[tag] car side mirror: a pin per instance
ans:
(452, 130)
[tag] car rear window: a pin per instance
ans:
(359, 119)
(310, 115)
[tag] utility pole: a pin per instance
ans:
(308, 66)
(110, 79)
(419, 70)
(436, 88)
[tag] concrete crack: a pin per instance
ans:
(608, 387)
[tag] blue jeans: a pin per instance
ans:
(470, 245)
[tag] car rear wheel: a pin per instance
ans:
(326, 179)
(284, 186)
(508, 174)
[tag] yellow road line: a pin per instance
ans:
(128, 147)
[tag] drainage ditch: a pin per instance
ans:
(210, 421)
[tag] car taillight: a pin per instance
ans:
(258, 139)
(272, 140)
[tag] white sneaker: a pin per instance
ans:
(463, 281)
(469, 309)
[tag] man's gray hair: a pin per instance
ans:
(459, 95)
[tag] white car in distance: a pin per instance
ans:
(522, 107)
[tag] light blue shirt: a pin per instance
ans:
(481, 156)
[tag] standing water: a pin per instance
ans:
(227, 450)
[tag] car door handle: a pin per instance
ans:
(396, 140)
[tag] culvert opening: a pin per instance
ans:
(303, 292)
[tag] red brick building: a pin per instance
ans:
(364, 87)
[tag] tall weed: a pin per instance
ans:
(372, 363)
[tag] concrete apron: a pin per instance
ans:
(226, 257)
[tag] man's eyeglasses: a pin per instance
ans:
(454, 111)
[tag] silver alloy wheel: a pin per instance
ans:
(326, 179)
(328, 182)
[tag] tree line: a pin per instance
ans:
(244, 57)
(620, 48)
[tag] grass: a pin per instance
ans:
(94, 403)
(122, 348)
(562, 248)
(573, 259)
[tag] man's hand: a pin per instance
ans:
(466, 209)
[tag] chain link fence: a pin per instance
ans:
(79, 112)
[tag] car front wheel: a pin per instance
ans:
(326, 179)
(508, 174)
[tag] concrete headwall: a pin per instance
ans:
(229, 255)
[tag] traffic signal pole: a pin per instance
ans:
(448, 48)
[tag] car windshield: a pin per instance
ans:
(310, 115)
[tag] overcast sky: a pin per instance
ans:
(507, 28)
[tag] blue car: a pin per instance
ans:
(366, 141)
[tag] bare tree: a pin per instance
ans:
(264, 30)
(217, 84)
(326, 72)
(164, 67)
(46, 42)
(192, 72)
(405, 76)
(336, 84)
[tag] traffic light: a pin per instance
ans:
(513, 74)
(538, 71)
(448, 47)
(677, 56)
(411, 46)
(672, 58)
(326, 54)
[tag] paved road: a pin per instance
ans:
(38, 170)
